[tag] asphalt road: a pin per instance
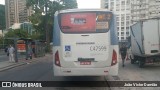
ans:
(42, 70)
(3, 57)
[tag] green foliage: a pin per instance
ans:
(44, 14)
(69, 4)
(17, 33)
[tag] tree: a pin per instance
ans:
(17, 33)
(44, 14)
(69, 4)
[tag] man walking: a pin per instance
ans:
(123, 51)
(11, 53)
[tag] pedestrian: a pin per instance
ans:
(6, 49)
(29, 52)
(33, 50)
(123, 51)
(11, 51)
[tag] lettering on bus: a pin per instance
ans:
(98, 48)
(102, 21)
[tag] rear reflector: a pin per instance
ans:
(57, 61)
(114, 58)
(106, 71)
(67, 71)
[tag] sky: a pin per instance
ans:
(2, 2)
(88, 3)
(81, 3)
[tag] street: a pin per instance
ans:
(42, 70)
(3, 57)
(38, 71)
(133, 73)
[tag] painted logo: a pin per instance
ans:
(67, 48)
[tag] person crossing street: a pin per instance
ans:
(123, 51)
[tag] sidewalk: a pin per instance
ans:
(9, 65)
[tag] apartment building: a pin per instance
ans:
(123, 14)
(2, 17)
(16, 12)
(144, 9)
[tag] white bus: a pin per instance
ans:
(85, 43)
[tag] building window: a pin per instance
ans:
(117, 9)
(123, 2)
(122, 18)
(122, 9)
(122, 38)
(117, 18)
(122, 27)
(127, 18)
(117, 23)
(127, 23)
(127, 28)
(122, 23)
(127, 33)
(112, 3)
(128, 2)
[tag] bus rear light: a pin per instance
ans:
(114, 58)
(57, 61)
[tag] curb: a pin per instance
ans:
(11, 66)
(19, 64)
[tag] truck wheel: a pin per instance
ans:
(132, 60)
(140, 63)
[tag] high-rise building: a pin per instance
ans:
(122, 10)
(144, 9)
(16, 12)
(27, 26)
(2, 17)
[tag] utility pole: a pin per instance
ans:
(46, 25)
(3, 37)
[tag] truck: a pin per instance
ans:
(145, 42)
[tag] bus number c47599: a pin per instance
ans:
(98, 48)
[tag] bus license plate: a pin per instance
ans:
(85, 63)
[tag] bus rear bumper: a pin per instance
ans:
(60, 71)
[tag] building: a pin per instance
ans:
(2, 17)
(27, 26)
(123, 14)
(144, 9)
(16, 26)
(16, 12)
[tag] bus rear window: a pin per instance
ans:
(85, 22)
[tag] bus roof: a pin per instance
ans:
(82, 10)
